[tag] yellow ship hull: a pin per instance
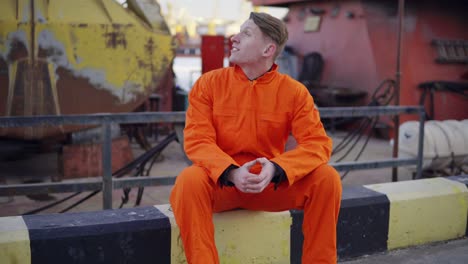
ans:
(77, 57)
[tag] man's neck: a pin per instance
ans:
(255, 71)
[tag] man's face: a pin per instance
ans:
(248, 45)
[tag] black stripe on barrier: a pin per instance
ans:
(297, 238)
(463, 179)
(134, 235)
(363, 222)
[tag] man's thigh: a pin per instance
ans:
(286, 197)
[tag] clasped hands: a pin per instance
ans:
(248, 182)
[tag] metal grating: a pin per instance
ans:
(451, 51)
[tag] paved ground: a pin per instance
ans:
(452, 252)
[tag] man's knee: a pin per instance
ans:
(192, 179)
(328, 176)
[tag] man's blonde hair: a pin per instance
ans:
(273, 28)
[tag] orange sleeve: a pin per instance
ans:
(200, 135)
(313, 145)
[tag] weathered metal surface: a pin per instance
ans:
(70, 57)
(85, 160)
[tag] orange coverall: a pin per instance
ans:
(231, 120)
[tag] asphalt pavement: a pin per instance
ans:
(448, 252)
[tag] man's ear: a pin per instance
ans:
(269, 50)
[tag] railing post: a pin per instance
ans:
(107, 185)
(422, 118)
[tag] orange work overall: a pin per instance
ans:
(232, 120)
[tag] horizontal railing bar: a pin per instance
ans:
(179, 117)
(93, 119)
(96, 184)
(120, 183)
(143, 181)
(375, 164)
(51, 187)
(360, 111)
(93, 184)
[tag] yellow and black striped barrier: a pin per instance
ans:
(373, 218)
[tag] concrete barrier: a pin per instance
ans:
(373, 218)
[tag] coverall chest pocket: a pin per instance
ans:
(225, 122)
(272, 125)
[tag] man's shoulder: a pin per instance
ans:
(216, 73)
(208, 81)
(291, 83)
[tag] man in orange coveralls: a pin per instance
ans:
(237, 124)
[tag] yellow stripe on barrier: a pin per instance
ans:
(425, 211)
(177, 251)
(243, 237)
(14, 241)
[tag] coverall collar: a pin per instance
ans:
(265, 78)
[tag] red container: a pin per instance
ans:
(212, 52)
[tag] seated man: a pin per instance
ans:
(237, 124)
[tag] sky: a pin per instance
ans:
(190, 13)
(221, 17)
(233, 10)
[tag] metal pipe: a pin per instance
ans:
(51, 187)
(373, 164)
(84, 185)
(33, 37)
(107, 167)
(422, 119)
(401, 14)
(92, 119)
(179, 117)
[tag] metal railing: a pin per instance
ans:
(107, 183)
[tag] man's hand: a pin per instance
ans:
(252, 183)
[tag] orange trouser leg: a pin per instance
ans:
(195, 197)
(321, 209)
(319, 195)
(192, 201)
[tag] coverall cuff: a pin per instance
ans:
(279, 176)
(223, 179)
